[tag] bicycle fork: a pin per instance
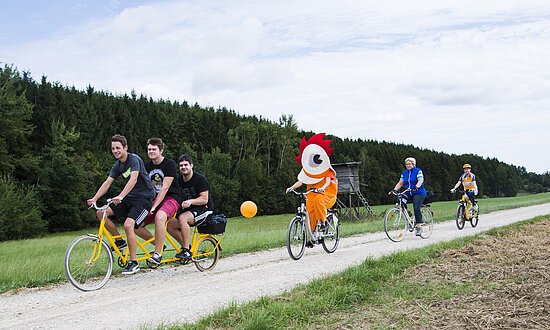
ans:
(97, 245)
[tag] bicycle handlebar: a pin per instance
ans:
(314, 190)
(396, 193)
(104, 207)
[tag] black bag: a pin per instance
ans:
(429, 197)
(214, 224)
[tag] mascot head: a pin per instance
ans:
(314, 158)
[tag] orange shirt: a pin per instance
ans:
(332, 188)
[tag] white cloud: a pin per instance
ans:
(456, 77)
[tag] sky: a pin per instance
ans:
(453, 76)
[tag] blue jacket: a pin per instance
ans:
(410, 179)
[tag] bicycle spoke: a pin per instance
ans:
(331, 239)
(88, 263)
(296, 238)
(395, 224)
(207, 254)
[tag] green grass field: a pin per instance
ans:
(38, 262)
(376, 282)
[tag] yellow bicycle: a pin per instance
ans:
(466, 211)
(89, 258)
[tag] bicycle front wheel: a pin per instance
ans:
(395, 225)
(428, 218)
(88, 263)
(460, 214)
(296, 238)
(331, 239)
(207, 254)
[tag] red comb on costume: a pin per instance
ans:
(315, 139)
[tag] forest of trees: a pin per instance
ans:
(55, 152)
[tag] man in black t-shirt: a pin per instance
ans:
(132, 203)
(196, 205)
(166, 204)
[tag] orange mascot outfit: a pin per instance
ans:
(317, 173)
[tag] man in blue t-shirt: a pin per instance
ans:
(133, 202)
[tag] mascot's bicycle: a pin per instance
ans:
(466, 211)
(299, 232)
(399, 221)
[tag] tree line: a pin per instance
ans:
(55, 152)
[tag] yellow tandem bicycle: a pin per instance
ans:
(89, 258)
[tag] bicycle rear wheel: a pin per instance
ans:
(331, 239)
(88, 263)
(428, 218)
(207, 254)
(296, 238)
(460, 215)
(475, 219)
(395, 225)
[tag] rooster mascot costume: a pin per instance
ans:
(317, 173)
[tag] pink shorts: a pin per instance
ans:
(169, 205)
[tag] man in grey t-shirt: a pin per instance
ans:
(133, 202)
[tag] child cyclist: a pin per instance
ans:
(468, 180)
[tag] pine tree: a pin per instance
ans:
(63, 181)
(16, 156)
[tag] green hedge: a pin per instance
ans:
(20, 211)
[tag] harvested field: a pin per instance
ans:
(500, 281)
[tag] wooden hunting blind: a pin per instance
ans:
(348, 177)
(351, 203)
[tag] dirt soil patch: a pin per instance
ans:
(505, 283)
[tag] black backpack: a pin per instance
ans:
(214, 224)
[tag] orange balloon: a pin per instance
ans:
(248, 209)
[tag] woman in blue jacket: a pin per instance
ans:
(413, 178)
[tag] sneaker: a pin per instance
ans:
(131, 268)
(153, 252)
(323, 227)
(120, 244)
(155, 259)
(309, 244)
(185, 254)
(418, 230)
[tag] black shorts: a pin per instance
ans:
(136, 209)
(200, 213)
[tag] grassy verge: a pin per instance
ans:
(270, 231)
(18, 259)
(380, 284)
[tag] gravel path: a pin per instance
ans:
(183, 294)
